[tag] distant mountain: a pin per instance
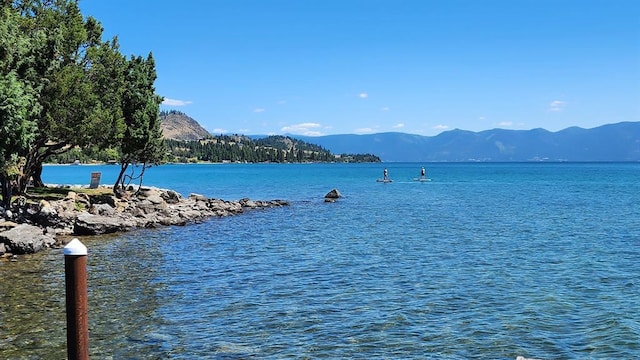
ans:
(614, 142)
(178, 126)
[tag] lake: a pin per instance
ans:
(487, 260)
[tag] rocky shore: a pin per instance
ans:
(31, 227)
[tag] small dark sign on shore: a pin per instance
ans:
(95, 180)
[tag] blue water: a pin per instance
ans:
(485, 261)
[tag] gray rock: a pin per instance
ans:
(155, 199)
(109, 199)
(197, 197)
(25, 239)
(46, 215)
(102, 209)
(89, 224)
(171, 197)
(191, 215)
(249, 203)
(3, 249)
(333, 194)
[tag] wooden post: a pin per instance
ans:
(75, 267)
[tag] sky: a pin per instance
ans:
(322, 67)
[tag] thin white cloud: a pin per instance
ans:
(505, 124)
(441, 127)
(258, 110)
(174, 102)
(557, 105)
(281, 102)
(481, 118)
(363, 95)
(386, 108)
(363, 131)
(398, 126)
(306, 129)
(219, 131)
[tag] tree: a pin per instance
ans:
(141, 141)
(18, 103)
(71, 109)
(16, 130)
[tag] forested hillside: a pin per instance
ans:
(237, 148)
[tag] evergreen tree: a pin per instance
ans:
(141, 142)
(18, 101)
(61, 65)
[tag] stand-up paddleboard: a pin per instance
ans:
(384, 180)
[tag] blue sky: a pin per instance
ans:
(320, 67)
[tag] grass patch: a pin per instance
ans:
(58, 193)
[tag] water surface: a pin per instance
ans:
(485, 261)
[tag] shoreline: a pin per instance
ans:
(30, 227)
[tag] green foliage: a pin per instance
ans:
(142, 141)
(234, 148)
(66, 95)
(17, 105)
(165, 113)
(18, 101)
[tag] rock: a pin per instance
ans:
(83, 214)
(155, 199)
(46, 215)
(3, 249)
(248, 203)
(109, 199)
(6, 225)
(197, 197)
(25, 239)
(102, 209)
(89, 224)
(83, 199)
(191, 215)
(71, 195)
(171, 197)
(332, 195)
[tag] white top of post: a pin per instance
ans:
(75, 247)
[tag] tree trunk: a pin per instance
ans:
(116, 186)
(37, 176)
(5, 183)
(33, 166)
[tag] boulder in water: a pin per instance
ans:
(332, 195)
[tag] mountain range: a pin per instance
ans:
(612, 142)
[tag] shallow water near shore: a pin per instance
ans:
(485, 261)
